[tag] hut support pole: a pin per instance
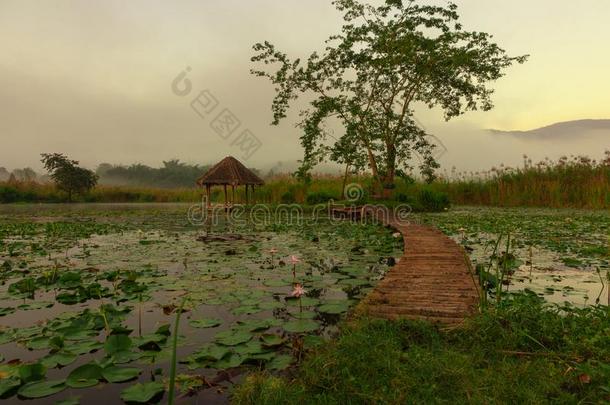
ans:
(247, 195)
(226, 198)
(233, 194)
(208, 194)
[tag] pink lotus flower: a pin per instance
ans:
(298, 291)
(273, 251)
(294, 260)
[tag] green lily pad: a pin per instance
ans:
(280, 362)
(231, 361)
(253, 325)
(117, 343)
(69, 401)
(233, 337)
(85, 346)
(84, 376)
(32, 372)
(301, 326)
(333, 309)
(120, 374)
(205, 323)
(6, 311)
(40, 389)
(272, 340)
(142, 393)
(8, 384)
(61, 359)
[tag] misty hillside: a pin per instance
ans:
(562, 130)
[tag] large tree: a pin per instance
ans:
(67, 175)
(386, 60)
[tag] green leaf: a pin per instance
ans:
(120, 374)
(272, 340)
(8, 384)
(333, 309)
(301, 326)
(205, 323)
(7, 311)
(117, 343)
(280, 362)
(69, 401)
(142, 393)
(58, 359)
(40, 389)
(84, 376)
(231, 361)
(233, 337)
(32, 372)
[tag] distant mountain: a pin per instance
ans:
(561, 130)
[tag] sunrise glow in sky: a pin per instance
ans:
(92, 78)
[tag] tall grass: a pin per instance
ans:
(576, 182)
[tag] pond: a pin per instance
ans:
(562, 255)
(89, 297)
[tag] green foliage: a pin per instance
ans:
(386, 59)
(67, 175)
(523, 351)
(173, 174)
(320, 197)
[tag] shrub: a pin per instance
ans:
(320, 197)
(433, 200)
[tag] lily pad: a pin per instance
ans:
(301, 326)
(272, 340)
(142, 393)
(84, 376)
(6, 311)
(120, 374)
(58, 359)
(233, 337)
(205, 323)
(40, 389)
(8, 384)
(32, 372)
(280, 362)
(333, 309)
(231, 361)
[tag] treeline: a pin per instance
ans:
(173, 174)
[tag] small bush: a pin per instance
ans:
(433, 200)
(320, 197)
(288, 198)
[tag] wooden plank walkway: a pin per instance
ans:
(432, 281)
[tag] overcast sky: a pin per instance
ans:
(93, 78)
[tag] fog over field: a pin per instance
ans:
(93, 79)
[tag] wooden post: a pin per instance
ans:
(253, 195)
(246, 194)
(233, 192)
(226, 197)
(208, 194)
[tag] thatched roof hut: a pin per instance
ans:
(229, 172)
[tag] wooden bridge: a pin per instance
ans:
(432, 281)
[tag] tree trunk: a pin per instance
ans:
(388, 180)
(343, 196)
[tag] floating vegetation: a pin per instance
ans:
(89, 298)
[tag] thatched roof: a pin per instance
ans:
(229, 171)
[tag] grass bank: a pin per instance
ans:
(522, 351)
